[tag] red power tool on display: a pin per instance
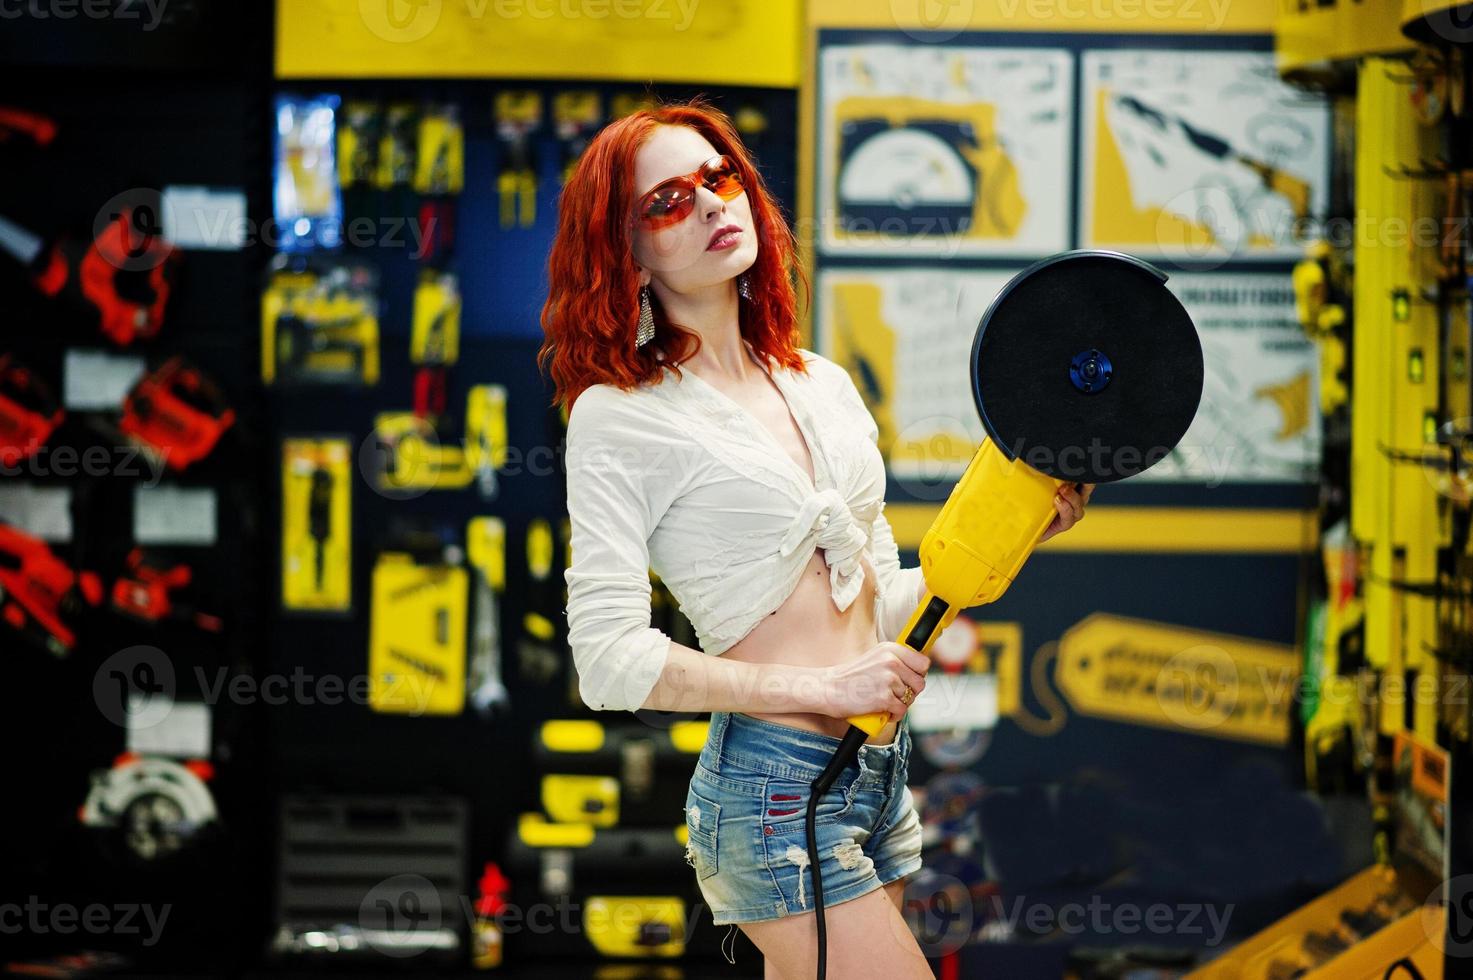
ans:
(39, 592)
(146, 591)
(122, 277)
(29, 413)
(19, 122)
(176, 413)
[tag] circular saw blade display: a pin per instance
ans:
(1198, 155)
(944, 150)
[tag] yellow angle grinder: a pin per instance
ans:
(1085, 369)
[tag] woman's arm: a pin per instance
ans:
(693, 681)
(616, 496)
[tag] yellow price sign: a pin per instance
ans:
(1148, 673)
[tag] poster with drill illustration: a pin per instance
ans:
(1198, 155)
(944, 151)
(902, 333)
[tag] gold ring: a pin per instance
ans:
(908, 696)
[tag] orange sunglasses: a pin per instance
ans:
(670, 201)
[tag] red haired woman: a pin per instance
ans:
(705, 444)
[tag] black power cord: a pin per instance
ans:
(843, 755)
(919, 638)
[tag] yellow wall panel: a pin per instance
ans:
(1197, 530)
(746, 42)
(1308, 35)
(1115, 16)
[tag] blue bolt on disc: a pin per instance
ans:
(1087, 368)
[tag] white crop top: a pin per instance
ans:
(675, 476)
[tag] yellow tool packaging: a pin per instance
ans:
(435, 335)
(417, 636)
(518, 117)
(316, 524)
(576, 116)
(612, 880)
(538, 656)
(440, 164)
(413, 458)
(359, 129)
(398, 145)
(485, 545)
(615, 775)
(486, 435)
(434, 340)
(319, 323)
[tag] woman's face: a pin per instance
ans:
(680, 256)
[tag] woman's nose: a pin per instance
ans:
(710, 202)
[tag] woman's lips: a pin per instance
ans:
(726, 241)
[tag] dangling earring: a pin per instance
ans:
(743, 289)
(646, 318)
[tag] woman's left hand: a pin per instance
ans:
(1070, 505)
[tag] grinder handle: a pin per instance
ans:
(932, 615)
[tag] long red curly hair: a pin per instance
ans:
(592, 309)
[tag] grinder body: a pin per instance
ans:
(986, 530)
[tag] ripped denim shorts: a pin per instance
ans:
(745, 817)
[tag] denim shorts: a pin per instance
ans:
(745, 818)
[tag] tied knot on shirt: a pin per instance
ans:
(826, 520)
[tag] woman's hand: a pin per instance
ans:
(1070, 505)
(876, 681)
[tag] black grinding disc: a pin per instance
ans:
(1086, 367)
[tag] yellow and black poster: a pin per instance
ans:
(1198, 154)
(944, 151)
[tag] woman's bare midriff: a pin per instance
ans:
(809, 630)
